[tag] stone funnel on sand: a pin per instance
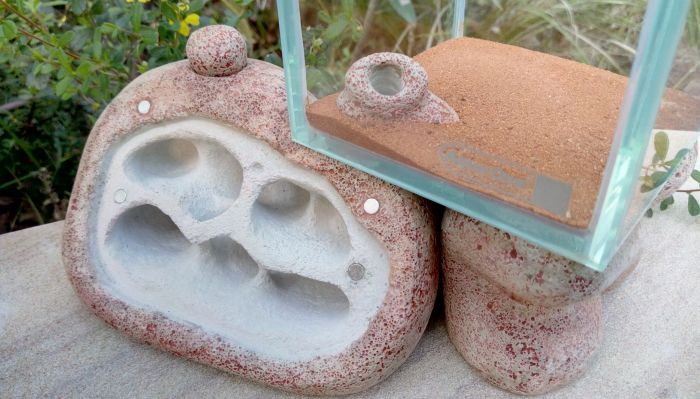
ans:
(391, 86)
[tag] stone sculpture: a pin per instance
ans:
(527, 319)
(198, 226)
(391, 86)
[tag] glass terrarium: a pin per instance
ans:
(558, 122)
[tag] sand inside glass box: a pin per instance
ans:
(566, 149)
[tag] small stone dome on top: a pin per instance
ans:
(217, 50)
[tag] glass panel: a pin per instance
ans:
(545, 148)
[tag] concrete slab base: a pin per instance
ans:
(52, 346)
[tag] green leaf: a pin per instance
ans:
(653, 181)
(335, 29)
(661, 143)
(103, 83)
(693, 206)
(9, 29)
(62, 58)
(37, 82)
(70, 92)
(37, 55)
(678, 158)
(196, 5)
(136, 16)
(646, 185)
(78, 6)
(63, 85)
(83, 70)
(347, 6)
(695, 175)
(108, 28)
(149, 36)
(46, 68)
(143, 67)
(666, 203)
(169, 11)
(649, 213)
(97, 44)
(405, 9)
(659, 178)
(65, 38)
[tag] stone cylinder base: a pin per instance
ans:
(519, 347)
(528, 319)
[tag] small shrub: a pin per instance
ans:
(62, 61)
(60, 65)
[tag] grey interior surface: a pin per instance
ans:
(212, 227)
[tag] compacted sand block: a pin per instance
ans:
(522, 113)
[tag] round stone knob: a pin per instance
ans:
(216, 50)
(383, 85)
(391, 86)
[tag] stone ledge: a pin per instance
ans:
(52, 346)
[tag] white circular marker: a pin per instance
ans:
(371, 206)
(144, 107)
(120, 196)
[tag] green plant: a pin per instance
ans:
(38, 146)
(658, 171)
(62, 61)
(600, 33)
(338, 33)
(693, 205)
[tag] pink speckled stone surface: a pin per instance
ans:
(527, 319)
(528, 272)
(520, 347)
(409, 101)
(216, 50)
(254, 100)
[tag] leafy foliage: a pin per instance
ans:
(340, 32)
(660, 169)
(40, 143)
(62, 61)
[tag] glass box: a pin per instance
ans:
(554, 121)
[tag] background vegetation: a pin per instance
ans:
(62, 61)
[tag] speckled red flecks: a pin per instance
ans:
(254, 100)
(413, 102)
(528, 319)
(520, 347)
(530, 273)
(216, 50)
